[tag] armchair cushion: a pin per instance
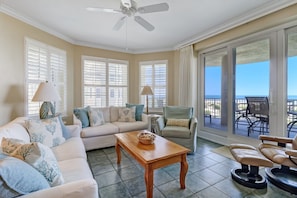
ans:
(178, 122)
(176, 132)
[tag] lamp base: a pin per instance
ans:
(47, 110)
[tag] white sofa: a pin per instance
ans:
(103, 136)
(72, 161)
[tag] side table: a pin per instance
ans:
(152, 119)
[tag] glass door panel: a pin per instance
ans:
(216, 90)
(292, 82)
(251, 81)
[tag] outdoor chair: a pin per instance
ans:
(282, 151)
(178, 125)
(258, 112)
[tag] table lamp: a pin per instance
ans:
(47, 93)
(147, 91)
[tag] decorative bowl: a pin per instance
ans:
(146, 137)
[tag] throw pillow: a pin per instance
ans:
(96, 117)
(138, 111)
(19, 178)
(46, 131)
(65, 131)
(127, 114)
(178, 122)
(82, 115)
(10, 145)
(41, 158)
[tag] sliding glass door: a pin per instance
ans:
(291, 48)
(251, 88)
(216, 90)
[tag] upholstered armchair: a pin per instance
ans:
(178, 125)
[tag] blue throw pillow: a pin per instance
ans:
(19, 178)
(82, 115)
(138, 112)
(65, 131)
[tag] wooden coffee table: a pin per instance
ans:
(157, 155)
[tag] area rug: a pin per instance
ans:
(224, 151)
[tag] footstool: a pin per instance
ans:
(250, 160)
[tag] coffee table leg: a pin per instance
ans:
(118, 150)
(183, 171)
(149, 179)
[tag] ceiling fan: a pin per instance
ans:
(129, 8)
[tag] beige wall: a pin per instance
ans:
(12, 67)
(12, 64)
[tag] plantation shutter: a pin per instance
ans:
(44, 63)
(154, 74)
(105, 82)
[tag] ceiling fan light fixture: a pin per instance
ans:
(126, 3)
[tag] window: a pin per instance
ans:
(44, 63)
(105, 82)
(154, 74)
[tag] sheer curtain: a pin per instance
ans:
(188, 78)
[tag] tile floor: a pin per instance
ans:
(208, 176)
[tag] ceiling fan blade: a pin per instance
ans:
(119, 24)
(153, 8)
(144, 23)
(109, 10)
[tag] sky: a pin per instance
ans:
(251, 79)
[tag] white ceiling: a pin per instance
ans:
(187, 21)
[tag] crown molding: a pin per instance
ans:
(261, 11)
(11, 12)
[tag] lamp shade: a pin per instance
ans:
(46, 92)
(147, 90)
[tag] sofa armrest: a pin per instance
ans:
(77, 189)
(160, 125)
(145, 118)
(74, 130)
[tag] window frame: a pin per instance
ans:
(107, 85)
(152, 104)
(61, 106)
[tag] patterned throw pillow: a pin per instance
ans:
(138, 111)
(96, 117)
(46, 131)
(127, 114)
(19, 178)
(40, 157)
(178, 122)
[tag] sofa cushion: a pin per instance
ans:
(106, 129)
(40, 157)
(131, 126)
(114, 113)
(46, 131)
(176, 132)
(82, 115)
(75, 169)
(178, 122)
(71, 148)
(18, 178)
(14, 130)
(127, 114)
(96, 117)
(138, 111)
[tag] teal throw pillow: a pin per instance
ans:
(19, 178)
(138, 112)
(82, 115)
